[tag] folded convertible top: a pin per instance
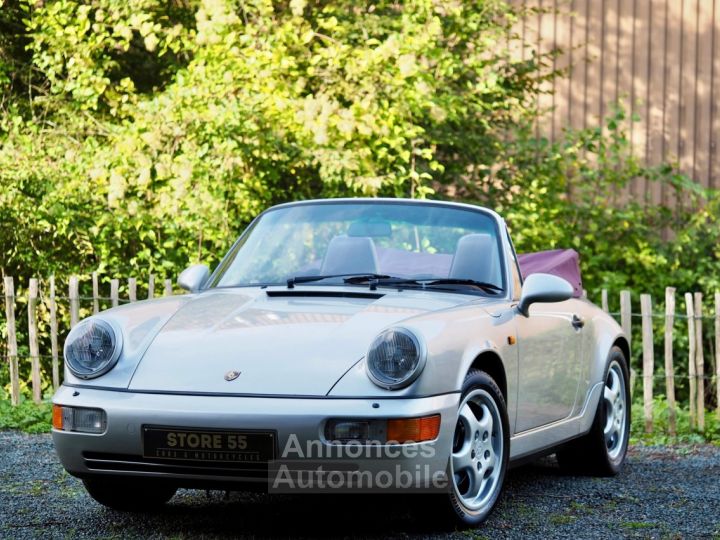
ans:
(564, 263)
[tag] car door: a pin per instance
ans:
(549, 342)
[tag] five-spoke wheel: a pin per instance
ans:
(480, 449)
(615, 414)
(602, 450)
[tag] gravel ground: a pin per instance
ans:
(662, 493)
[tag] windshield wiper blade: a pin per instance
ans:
(479, 284)
(432, 282)
(360, 276)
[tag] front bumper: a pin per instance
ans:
(297, 422)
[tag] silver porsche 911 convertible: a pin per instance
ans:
(363, 345)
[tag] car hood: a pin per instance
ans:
(290, 344)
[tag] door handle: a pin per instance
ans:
(577, 322)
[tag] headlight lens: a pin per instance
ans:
(92, 348)
(395, 358)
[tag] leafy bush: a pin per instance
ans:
(140, 137)
(27, 416)
(661, 433)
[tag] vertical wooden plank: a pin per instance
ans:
(33, 340)
(562, 40)
(54, 335)
(641, 65)
(703, 99)
(625, 63)
(168, 287)
(671, 90)
(538, 52)
(96, 293)
(648, 360)
(692, 400)
(12, 340)
(608, 79)
(593, 81)
(151, 287)
(74, 301)
(644, 72)
(626, 324)
(636, 84)
(132, 289)
(717, 354)
(114, 292)
(655, 108)
(687, 89)
(714, 96)
(699, 362)
(575, 88)
(626, 314)
(669, 368)
(604, 301)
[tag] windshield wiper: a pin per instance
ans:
(424, 282)
(361, 276)
(479, 284)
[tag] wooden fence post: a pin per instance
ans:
(626, 324)
(54, 335)
(168, 287)
(699, 362)
(717, 353)
(132, 289)
(114, 294)
(648, 360)
(669, 368)
(604, 301)
(12, 340)
(151, 287)
(33, 340)
(690, 311)
(96, 293)
(74, 301)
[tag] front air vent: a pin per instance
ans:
(303, 293)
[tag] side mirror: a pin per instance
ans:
(193, 277)
(543, 288)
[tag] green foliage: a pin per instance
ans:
(140, 136)
(661, 433)
(27, 416)
(154, 134)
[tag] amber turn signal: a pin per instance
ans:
(403, 430)
(57, 417)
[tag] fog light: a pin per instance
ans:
(79, 419)
(403, 430)
(348, 430)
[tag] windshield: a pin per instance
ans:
(380, 240)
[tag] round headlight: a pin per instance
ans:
(395, 359)
(92, 348)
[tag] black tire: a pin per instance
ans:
(590, 453)
(129, 494)
(464, 516)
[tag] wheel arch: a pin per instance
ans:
(491, 363)
(624, 346)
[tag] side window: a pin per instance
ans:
(514, 269)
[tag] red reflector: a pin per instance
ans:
(405, 430)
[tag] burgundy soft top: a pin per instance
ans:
(564, 263)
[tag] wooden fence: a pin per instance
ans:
(661, 57)
(645, 366)
(696, 361)
(34, 299)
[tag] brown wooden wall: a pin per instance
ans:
(660, 57)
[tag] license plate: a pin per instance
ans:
(208, 445)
